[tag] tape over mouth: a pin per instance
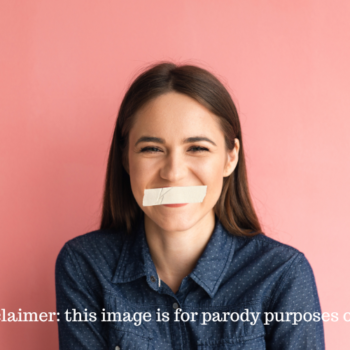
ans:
(174, 195)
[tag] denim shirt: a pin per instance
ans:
(243, 294)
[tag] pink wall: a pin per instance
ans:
(64, 68)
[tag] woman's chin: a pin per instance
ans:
(174, 220)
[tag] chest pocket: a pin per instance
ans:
(124, 340)
(242, 329)
(124, 335)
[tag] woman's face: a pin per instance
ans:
(175, 141)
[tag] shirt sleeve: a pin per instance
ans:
(74, 293)
(302, 327)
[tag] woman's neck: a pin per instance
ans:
(175, 254)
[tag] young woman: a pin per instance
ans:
(188, 275)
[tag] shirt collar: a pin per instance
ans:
(136, 261)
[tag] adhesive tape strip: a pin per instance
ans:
(174, 195)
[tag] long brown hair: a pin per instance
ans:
(234, 207)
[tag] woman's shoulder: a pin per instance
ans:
(102, 241)
(93, 253)
(263, 244)
(268, 253)
(278, 272)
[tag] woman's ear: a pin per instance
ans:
(232, 159)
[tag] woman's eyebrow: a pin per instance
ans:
(149, 139)
(198, 138)
(162, 141)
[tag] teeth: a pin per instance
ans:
(174, 195)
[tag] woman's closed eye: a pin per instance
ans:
(198, 149)
(150, 149)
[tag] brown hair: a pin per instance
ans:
(234, 207)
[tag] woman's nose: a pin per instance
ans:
(174, 167)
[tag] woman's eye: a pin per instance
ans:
(198, 149)
(150, 149)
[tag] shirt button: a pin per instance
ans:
(153, 279)
(117, 347)
(175, 305)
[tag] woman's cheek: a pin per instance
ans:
(214, 180)
(142, 175)
(137, 178)
(209, 171)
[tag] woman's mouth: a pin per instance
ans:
(175, 205)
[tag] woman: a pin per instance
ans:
(194, 275)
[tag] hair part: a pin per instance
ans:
(234, 207)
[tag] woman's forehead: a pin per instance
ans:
(176, 113)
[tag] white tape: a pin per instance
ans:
(174, 195)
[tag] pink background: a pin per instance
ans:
(65, 66)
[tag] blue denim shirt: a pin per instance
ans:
(243, 294)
